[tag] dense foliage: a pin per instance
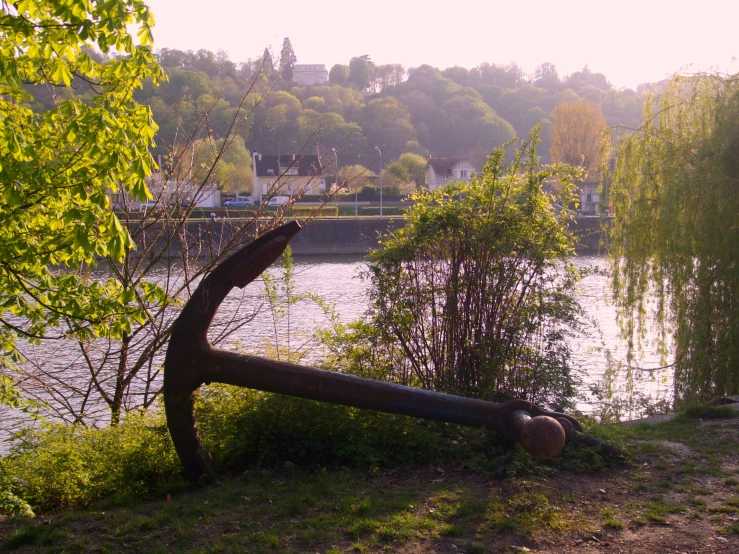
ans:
(57, 167)
(475, 293)
(675, 238)
(75, 164)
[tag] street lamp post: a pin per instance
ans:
(255, 180)
(380, 151)
(336, 168)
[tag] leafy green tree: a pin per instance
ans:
(339, 75)
(62, 169)
(330, 130)
(675, 238)
(386, 121)
(432, 123)
(459, 75)
(398, 171)
(282, 98)
(623, 108)
(513, 104)
(170, 58)
(361, 72)
(287, 60)
(315, 103)
(58, 168)
(509, 76)
(584, 77)
(382, 77)
(477, 291)
(226, 68)
(538, 116)
(477, 129)
(546, 77)
(229, 168)
(414, 147)
(415, 165)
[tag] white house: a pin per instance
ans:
(308, 75)
(288, 175)
(168, 193)
(440, 171)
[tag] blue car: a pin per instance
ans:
(238, 202)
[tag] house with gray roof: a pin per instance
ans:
(440, 171)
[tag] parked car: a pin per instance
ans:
(278, 201)
(238, 202)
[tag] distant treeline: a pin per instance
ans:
(455, 112)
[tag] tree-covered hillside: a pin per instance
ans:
(455, 112)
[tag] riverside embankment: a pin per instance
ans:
(355, 236)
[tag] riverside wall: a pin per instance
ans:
(357, 236)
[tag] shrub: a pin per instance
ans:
(243, 427)
(64, 466)
(476, 289)
(369, 191)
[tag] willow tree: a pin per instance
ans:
(675, 238)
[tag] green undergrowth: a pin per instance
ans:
(60, 467)
(709, 411)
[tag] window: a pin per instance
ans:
(270, 172)
(462, 173)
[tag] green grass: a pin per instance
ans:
(611, 519)
(478, 494)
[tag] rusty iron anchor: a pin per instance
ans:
(192, 361)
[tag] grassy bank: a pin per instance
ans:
(679, 493)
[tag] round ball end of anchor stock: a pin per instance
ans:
(543, 437)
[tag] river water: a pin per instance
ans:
(596, 354)
(337, 282)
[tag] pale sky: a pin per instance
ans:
(630, 41)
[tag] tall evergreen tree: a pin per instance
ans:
(268, 64)
(287, 60)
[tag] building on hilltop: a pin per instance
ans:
(308, 75)
(288, 175)
(440, 171)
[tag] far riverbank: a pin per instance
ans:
(359, 235)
